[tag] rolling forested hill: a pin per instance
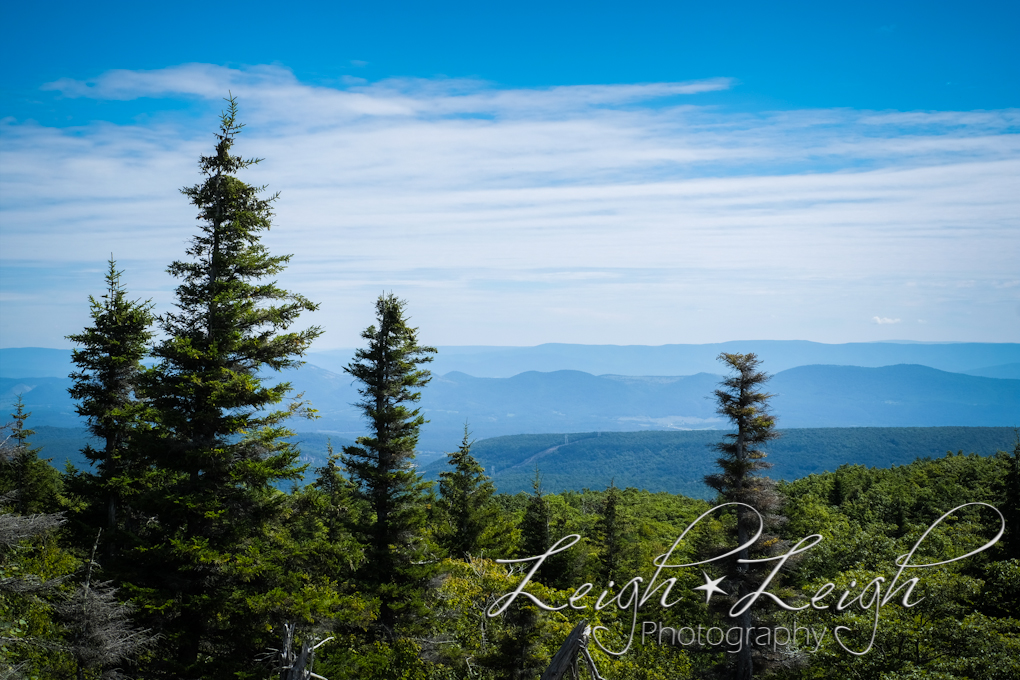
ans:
(573, 401)
(671, 461)
(62, 445)
(677, 461)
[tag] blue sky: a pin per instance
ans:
(639, 173)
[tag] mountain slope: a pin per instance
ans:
(678, 461)
(778, 355)
(505, 362)
(565, 401)
(891, 396)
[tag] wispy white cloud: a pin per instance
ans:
(275, 92)
(495, 209)
(882, 320)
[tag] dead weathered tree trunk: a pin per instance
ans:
(297, 666)
(575, 648)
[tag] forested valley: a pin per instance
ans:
(196, 545)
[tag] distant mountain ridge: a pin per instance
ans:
(573, 401)
(777, 355)
(892, 396)
(1009, 371)
(63, 445)
(505, 362)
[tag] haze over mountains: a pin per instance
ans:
(575, 388)
(991, 360)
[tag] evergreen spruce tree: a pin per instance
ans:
(324, 513)
(219, 441)
(397, 566)
(1011, 505)
(516, 652)
(612, 535)
(746, 407)
(341, 507)
(535, 533)
(105, 384)
(30, 481)
(473, 522)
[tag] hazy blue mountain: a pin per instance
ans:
(993, 360)
(62, 445)
(1007, 371)
(678, 461)
(34, 362)
(661, 391)
(807, 396)
(563, 401)
(545, 400)
(45, 398)
(778, 355)
(892, 396)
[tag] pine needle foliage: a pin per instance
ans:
(1011, 504)
(229, 326)
(109, 363)
(219, 438)
(32, 483)
(612, 534)
(472, 520)
(741, 400)
(393, 531)
(536, 534)
(746, 407)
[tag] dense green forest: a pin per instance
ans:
(677, 461)
(964, 628)
(196, 544)
(673, 461)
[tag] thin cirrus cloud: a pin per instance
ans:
(599, 214)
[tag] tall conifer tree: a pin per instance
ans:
(741, 401)
(536, 536)
(1011, 506)
(397, 566)
(612, 534)
(32, 483)
(219, 436)
(516, 653)
(109, 363)
(474, 523)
